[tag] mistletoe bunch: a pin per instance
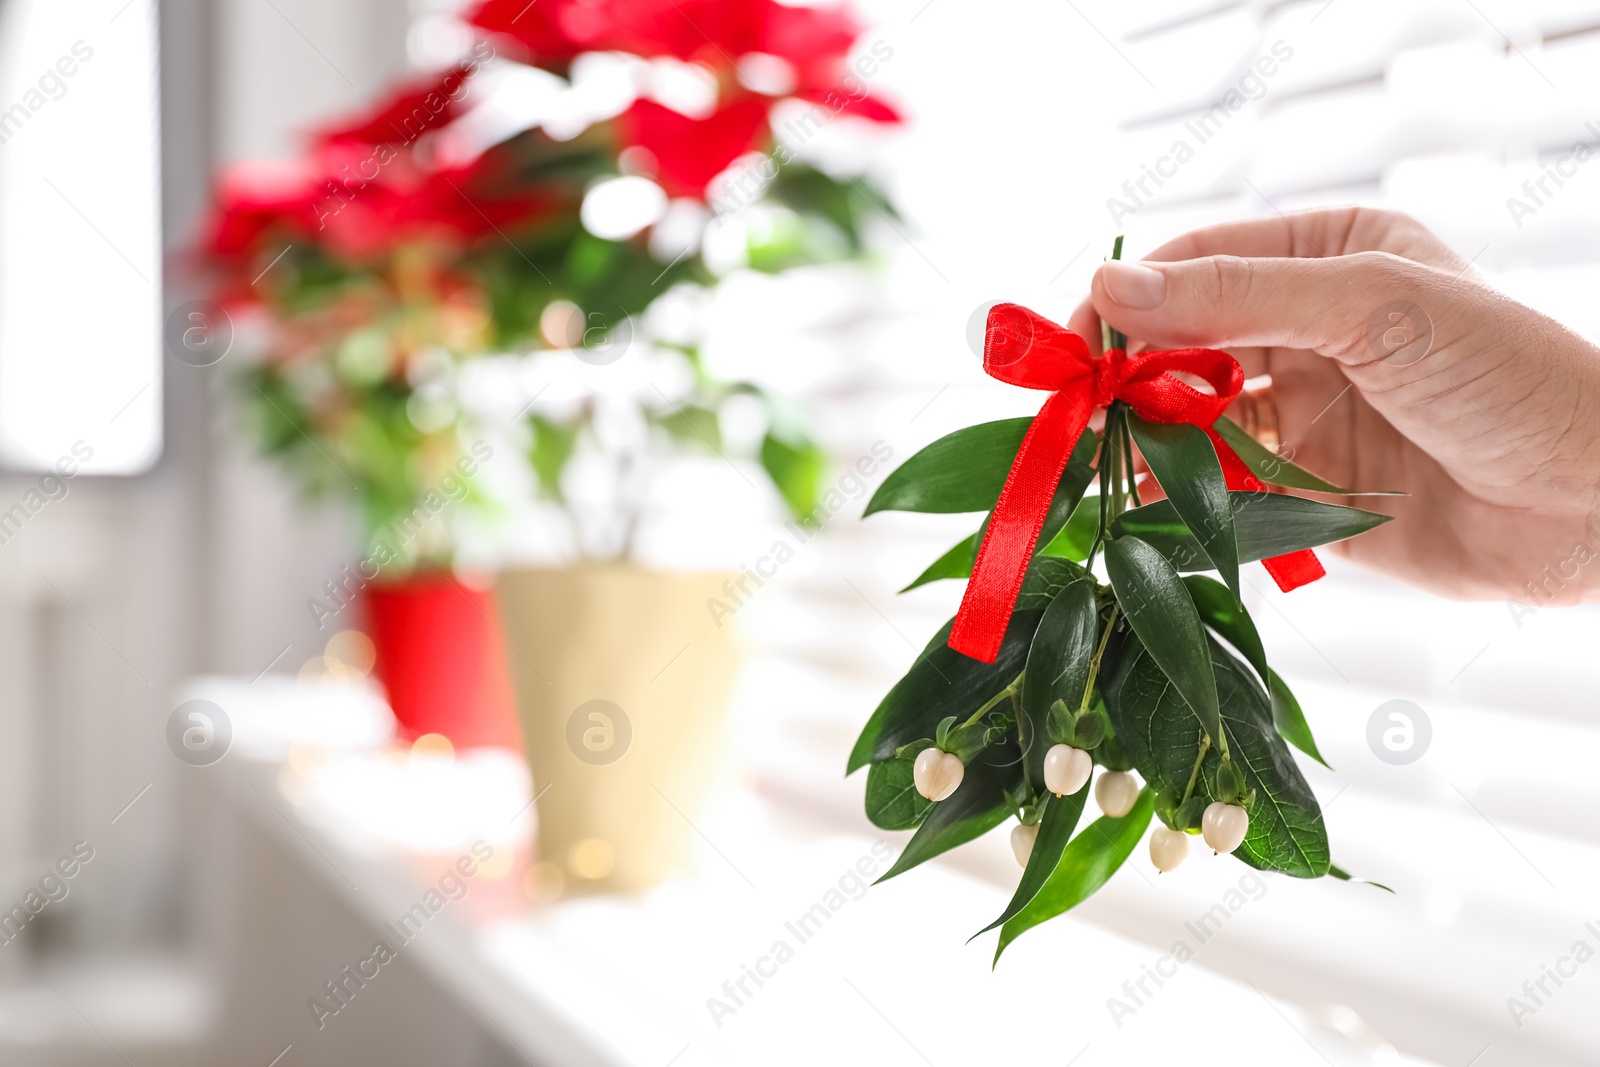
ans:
(1107, 648)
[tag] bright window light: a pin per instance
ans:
(80, 267)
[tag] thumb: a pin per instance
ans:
(1358, 309)
(1487, 387)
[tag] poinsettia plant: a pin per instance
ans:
(1087, 636)
(442, 225)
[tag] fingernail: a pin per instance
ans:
(1133, 285)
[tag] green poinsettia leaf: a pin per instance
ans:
(941, 683)
(1270, 467)
(1058, 668)
(893, 802)
(1061, 816)
(1158, 607)
(1266, 524)
(796, 468)
(693, 426)
(989, 792)
(553, 444)
(1286, 828)
(1087, 863)
(1185, 463)
(846, 205)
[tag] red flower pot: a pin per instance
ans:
(440, 658)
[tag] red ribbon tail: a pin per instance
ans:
(1295, 569)
(1002, 561)
(1291, 570)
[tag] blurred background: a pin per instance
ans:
(398, 396)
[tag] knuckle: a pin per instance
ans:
(1395, 231)
(1384, 269)
(1231, 279)
(1385, 316)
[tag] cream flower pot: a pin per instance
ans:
(622, 679)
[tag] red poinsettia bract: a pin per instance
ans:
(690, 152)
(406, 112)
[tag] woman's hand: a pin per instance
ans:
(1393, 367)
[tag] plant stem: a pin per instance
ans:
(1127, 455)
(1109, 339)
(1115, 420)
(1194, 775)
(1094, 664)
(1118, 339)
(988, 705)
(1105, 494)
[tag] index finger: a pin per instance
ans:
(1315, 234)
(1085, 322)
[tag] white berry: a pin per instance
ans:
(1223, 826)
(1022, 839)
(1066, 769)
(1115, 792)
(1168, 848)
(937, 773)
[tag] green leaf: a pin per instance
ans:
(1227, 617)
(1188, 814)
(1345, 876)
(1161, 612)
(958, 562)
(913, 749)
(967, 741)
(796, 470)
(1061, 816)
(694, 426)
(962, 471)
(844, 204)
(1045, 579)
(1267, 524)
(940, 683)
(1290, 720)
(988, 793)
(1087, 864)
(1185, 463)
(893, 802)
(1075, 479)
(1089, 731)
(1077, 535)
(1058, 667)
(1286, 829)
(553, 445)
(1270, 467)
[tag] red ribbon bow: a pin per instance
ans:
(1022, 348)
